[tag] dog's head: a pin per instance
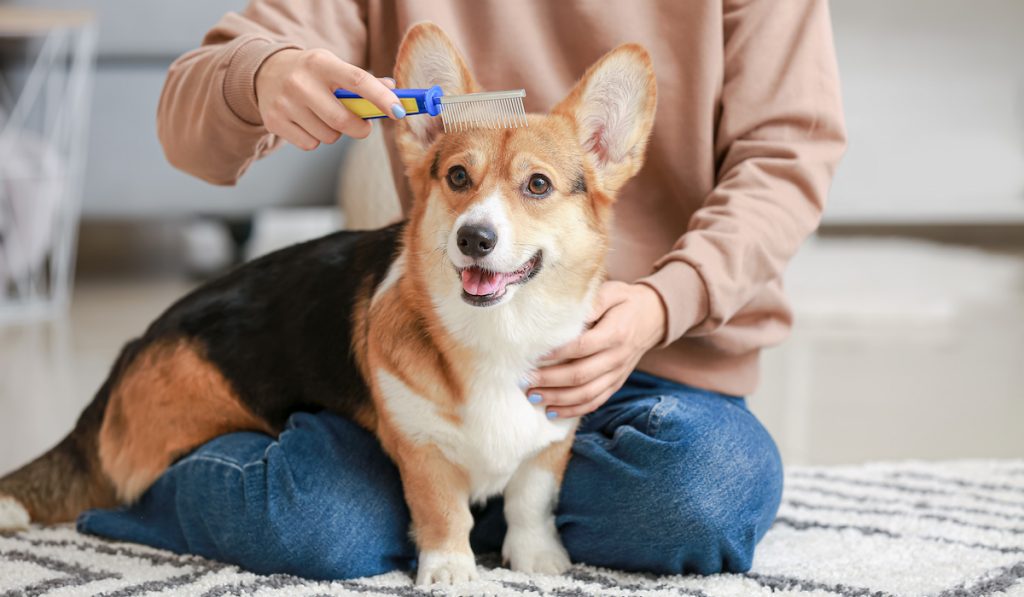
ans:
(525, 211)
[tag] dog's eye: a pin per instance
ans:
(458, 178)
(538, 186)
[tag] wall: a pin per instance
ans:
(934, 94)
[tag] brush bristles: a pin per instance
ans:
(490, 110)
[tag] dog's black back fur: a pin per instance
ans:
(280, 328)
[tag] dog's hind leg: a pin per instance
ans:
(67, 479)
(167, 403)
(57, 486)
(161, 400)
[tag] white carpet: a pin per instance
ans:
(938, 529)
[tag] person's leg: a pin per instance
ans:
(663, 478)
(322, 501)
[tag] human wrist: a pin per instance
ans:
(683, 295)
(240, 79)
(654, 318)
(272, 69)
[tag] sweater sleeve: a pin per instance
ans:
(779, 137)
(208, 120)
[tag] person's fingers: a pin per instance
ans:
(312, 124)
(595, 396)
(578, 410)
(603, 396)
(578, 372)
(388, 82)
(352, 78)
(576, 394)
(294, 134)
(335, 115)
(360, 129)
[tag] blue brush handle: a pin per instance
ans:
(415, 101)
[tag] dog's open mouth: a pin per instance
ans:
(481, 287)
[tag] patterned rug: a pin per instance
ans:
(937, 529)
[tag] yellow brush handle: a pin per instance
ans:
(364, 108)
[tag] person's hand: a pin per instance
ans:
(630, 320)
(295, 93)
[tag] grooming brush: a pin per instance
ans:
(487, 110)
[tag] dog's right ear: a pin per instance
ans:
(613, 109)
(427, 57)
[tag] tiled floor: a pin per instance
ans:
(900, 351)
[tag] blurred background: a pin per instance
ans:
(909, 302)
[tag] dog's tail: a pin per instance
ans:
(68, 479)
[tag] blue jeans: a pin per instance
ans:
(664, 478)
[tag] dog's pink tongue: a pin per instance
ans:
(477, 282)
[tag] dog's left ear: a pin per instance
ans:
(613, 108)
(427, 57)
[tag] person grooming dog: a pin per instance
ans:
(670, 472)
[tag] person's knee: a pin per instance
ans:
(710, 494)
(300, 505)
(327, 549)
(723, 496)
(330, 522)
(708, 536)
(315, 535)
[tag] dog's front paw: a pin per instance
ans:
(445, 567)
(535, 551)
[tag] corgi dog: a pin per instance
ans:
(424, 332)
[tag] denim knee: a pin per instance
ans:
(337, 509)
(322, 502)
(720, 484)
(326, 545)
(688, 485)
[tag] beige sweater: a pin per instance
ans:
(748, 132)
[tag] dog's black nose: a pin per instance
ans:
(477, 241)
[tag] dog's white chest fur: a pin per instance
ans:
(499, 429)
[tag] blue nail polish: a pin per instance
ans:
(552, 414)
(398, 111)
(534, 398)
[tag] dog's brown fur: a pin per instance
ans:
(193, 404)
